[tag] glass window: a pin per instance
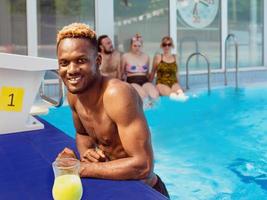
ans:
(54, 14)
(198, 30)
(245, 20)
(150, 18)
(13, 27)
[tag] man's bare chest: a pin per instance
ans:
(109, 65)
(99, 126)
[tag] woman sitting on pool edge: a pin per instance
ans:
(166, 68)
(135, 68)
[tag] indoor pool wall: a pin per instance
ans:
(217, 79)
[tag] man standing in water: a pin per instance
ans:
(112, 135)
(111, 58)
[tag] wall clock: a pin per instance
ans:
(198, 13)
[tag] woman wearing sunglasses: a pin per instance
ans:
(165, 66)
(135, 67)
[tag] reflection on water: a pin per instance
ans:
(250, 171)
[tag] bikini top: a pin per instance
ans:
(137, 69)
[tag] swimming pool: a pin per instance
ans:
(210, 147)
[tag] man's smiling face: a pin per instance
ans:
(77, 64)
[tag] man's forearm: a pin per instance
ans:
(84, 142)
(121, 169)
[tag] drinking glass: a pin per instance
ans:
(67, 183)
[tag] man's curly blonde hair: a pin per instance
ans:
(77, 30)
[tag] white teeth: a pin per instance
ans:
(74, 80)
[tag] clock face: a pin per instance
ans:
(198, 13)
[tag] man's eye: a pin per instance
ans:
(63, 63)
(81, 60)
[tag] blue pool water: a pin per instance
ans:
(210, 147)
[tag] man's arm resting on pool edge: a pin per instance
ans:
(121, 105)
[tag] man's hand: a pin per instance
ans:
(93, 155)
(67, 153)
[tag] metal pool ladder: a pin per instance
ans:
(236, 59)
(187, 69)
(48, 99)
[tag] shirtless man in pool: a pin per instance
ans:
(111, 58)
(112, 135)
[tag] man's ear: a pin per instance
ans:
(98, 59)
(101, 47)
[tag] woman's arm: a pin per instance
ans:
(123, 71)
(154, 67)
(148, 65)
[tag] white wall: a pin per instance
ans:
(104, 17)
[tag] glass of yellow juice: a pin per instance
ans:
(67, 183)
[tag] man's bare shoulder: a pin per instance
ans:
(117, 56)
(116, 53)
(116, 87)
(119, 93)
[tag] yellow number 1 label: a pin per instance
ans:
(11, 99)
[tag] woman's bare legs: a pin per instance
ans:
(164, 90)
(151, 90)
(176, 88)
(177, 93)
(142, 93)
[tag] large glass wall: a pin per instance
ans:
(150, 18)
(198, 30)
(54, 14)
(198, 27)
(13, 27)
(245, 20)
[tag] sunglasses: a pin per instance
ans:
(166, 44)
(136, 45)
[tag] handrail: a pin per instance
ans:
(236, 59)
(187, 69)
(49, 99)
